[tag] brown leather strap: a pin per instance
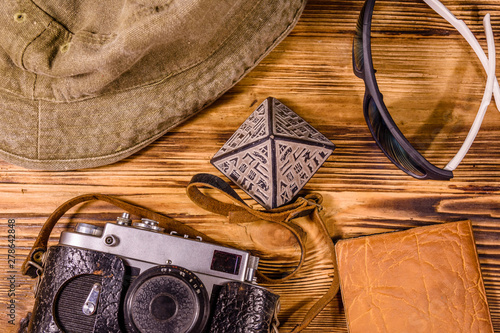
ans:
(238, 211)
(334, 286)
(34, 258)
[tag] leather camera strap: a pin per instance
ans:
(238, 211)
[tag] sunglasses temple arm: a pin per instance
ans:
(464, 30)
(485, 101)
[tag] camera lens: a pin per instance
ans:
(163, 307)
(166, 299)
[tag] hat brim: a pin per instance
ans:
(105, 129)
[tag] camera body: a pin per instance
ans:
(134, 277)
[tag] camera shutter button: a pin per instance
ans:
(149, 224)
(124, 220)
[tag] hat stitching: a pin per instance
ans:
(96, 158)
(93, 38)
(31, 42)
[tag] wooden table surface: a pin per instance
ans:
(433, 84)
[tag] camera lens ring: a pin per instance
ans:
(166, 296)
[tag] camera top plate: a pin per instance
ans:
(143, 248)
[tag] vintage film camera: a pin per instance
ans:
(134, 277)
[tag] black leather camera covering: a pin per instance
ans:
(64, 264)
(244, 308)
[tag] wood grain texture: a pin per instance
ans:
(432, 83)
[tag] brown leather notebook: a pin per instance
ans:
(425, 279)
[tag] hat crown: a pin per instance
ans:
(72, 50)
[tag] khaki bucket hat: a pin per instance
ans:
(86, 83)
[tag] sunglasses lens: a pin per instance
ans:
(389, 144)
(357, 48)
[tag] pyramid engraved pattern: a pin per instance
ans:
(253, 129)
(289, 124)
(251, 170)
(297, 163)
(299, 151)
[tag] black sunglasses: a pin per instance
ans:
(383, 128)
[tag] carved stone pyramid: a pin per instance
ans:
(273, 154)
